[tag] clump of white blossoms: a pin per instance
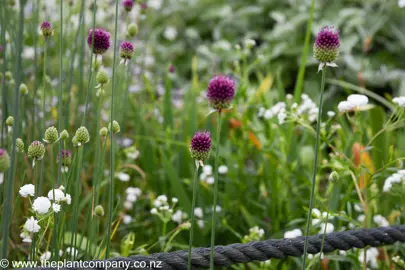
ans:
(41, 205)
(206, 175)
(400, 101)
(133, 193)
(320, 220)
(255, 234)
(31, 226)
(307, 110)
(396, 178)
(163, 209)
(27, 190)
(179, 216)
(371, 257)
(354, 102)
(131, 152)
(381, 221)
(293, 233)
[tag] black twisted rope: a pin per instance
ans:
(265, 250)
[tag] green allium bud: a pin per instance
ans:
(99, 211)
(334, 176)
(9, 75)
(75, 142)
(51, 135)
(4, 160)
(23, 89)
(82, 135)
(132, 29)
(10, 121)
(64, 135)
(36, 150)
(19, 144)
(102, 77)
(115, 127)
(103, 132)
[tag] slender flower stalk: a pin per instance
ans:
(220, 94)
(110, 197)
(6, 217)
(199, 150)
(326, 51)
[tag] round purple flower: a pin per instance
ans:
(65, 157)
(201, 145)
(128, 5)
(126, 50)
(327, 43)
(4, 160)
(101, 40)
(46, 29)
(172, 68)
(221, 91)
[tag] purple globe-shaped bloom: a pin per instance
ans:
(327, 43)
(101, 40)
(128, 4)
(126, 50)
(221, 91)
(201, 145)
(65, 157)
(46, 29)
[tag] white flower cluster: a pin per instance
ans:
(395, 178)
(198, 212)
(400, 101)
(255, 234)
(123, 177)
(207, 173)
(163, 210)
(179, 216)
(41, 206)
(320, 220)
(132, 152)
(306, 109)
(133, 193)
(371, 257)
(293, 233)
(354, 102)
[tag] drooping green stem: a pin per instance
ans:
(315, 168)
(214, 206)
(110, 197)
(6, 221)
(195, 185)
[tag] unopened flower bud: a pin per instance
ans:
(82, 135)
(23, 89)
(99, 211)
(132, 29)
(334, 176)
(4, 160)
(36, 150)
(64, 135)
(51, 135)
(115, 127)
(19, 144)
(10, 121)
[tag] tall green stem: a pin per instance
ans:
(214, 207)
(315, 169)
(11, 173)
(110, 198)
(195, 185)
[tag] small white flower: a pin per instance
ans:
(127, 219)
(177, 216)
(41, 205)
(329, 228)
(331, 114)
(170, 33)
(223, 169)
(59, 195)
(160, 200)
(124, 177)
(153, 211)
(316, 213)
(56, 207)
(289, 96)
(293, 234)
(210, 180)
(400, 101)
(198, 212)
(31, 225)
(207, 169)
(68, 198)
(401, 3)
(134, 190)
(46, 256)
(175, 200)
(358, 207)
(358, 100)
(131, 198)
(345, 106)
(27, 190)
(200, 223)
(371, 257)
(128, 205)
(381, 221)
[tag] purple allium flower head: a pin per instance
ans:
(128, 5)
(221, 91)
(4, 160)
(46, 29)
(101, 40)
(172, 68)
(126, 50)
(65, 157)
(201, 145)
(143, 5)
(327, 43)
